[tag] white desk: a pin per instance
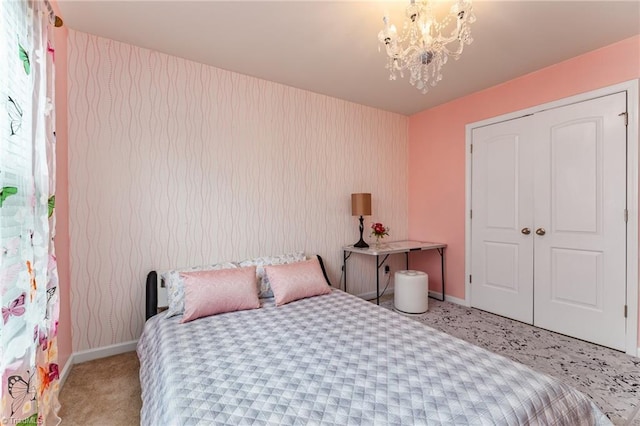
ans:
(387, 249)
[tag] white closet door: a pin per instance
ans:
(580, 199)
(501, 263)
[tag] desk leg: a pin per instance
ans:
(441, 252)
(344, 268)
(377, 280)
(378, 266)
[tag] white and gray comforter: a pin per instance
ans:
(338, 360)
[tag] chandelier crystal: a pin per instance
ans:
(426, 44)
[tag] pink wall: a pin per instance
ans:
(62, 196)
(437, 144)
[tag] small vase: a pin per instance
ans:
(378, 241)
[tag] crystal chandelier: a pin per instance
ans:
(426, 44)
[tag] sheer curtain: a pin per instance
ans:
(28, 274)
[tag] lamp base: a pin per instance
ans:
(361, 244)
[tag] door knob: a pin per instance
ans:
(526, 231)
(540, 231)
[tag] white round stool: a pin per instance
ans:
(411, 292)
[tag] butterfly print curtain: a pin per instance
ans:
(28, 274)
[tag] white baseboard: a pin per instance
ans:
(66, 370)
(104, 351)
(92, 354)
(448, 298)
(372, 294)
(436, 295)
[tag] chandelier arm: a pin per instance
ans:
(422, 50)
(454, 53)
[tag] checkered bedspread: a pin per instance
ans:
(336, 359)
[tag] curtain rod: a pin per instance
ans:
(57, 21)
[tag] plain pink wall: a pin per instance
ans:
(62, 196)
(437, 145)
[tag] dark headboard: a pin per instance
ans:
(151, 299)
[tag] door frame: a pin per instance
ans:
(633, 99)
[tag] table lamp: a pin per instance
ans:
(361, 206)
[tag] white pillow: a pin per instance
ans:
(175, 285)
(264, 288)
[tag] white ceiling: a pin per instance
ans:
(331, 47)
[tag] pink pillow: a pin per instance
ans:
(296, 281)
(214, 292)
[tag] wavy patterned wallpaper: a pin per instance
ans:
(174, 163)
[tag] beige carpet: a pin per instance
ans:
(102, 392)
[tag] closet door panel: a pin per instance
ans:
(502, 255)
(579, 200)
(576, 177)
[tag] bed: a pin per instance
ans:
(335, 359)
